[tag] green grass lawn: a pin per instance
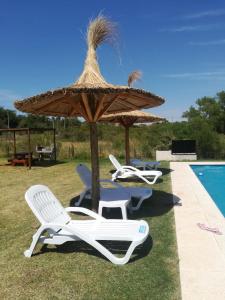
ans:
(75, 270)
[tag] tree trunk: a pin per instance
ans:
(95, 191)
(29, 149)
(14, 144)
(127, 145)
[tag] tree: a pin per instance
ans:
(8, 118)
(221, 101)
(210, 109)
(34, 121)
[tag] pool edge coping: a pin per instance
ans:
(211, 215)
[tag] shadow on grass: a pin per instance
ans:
(159, 204)
(46, 163)
(85, 203)
(118, 248)
(36, 163)
(165, 171)
(137, 180)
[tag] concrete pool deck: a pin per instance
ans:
(201, 253)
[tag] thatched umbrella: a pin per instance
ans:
(127, 119)
(91, 96)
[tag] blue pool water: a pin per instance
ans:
(212, 178)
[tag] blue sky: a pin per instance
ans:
(178, 45)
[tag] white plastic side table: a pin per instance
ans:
(112, 198)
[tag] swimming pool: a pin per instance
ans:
(212, 178)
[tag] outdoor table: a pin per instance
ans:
(22, 155)
(113, 198)
(21, 158)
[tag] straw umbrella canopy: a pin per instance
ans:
(90, 96)
(128, 119)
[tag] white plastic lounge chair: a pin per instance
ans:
(146, 165)
(136, 192)
(60, 228)
(129, 171)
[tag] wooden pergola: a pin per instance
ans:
(28, 131)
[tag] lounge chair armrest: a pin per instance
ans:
(85, 211)
(111, 182)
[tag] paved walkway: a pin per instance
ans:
(201, 253)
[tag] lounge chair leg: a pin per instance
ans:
(110, 256)
(134, 208)
(82, 196)
(80, 199)
(114, 176)
(29, 251)
(124, 212)
(36, 237)
(100, 209)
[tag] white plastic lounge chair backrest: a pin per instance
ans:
(85, 175)
(115, 162)
(46, 206)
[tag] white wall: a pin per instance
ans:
(167, 155)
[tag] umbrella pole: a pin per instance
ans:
(14, 143)
(127, 145)
(95, 191)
